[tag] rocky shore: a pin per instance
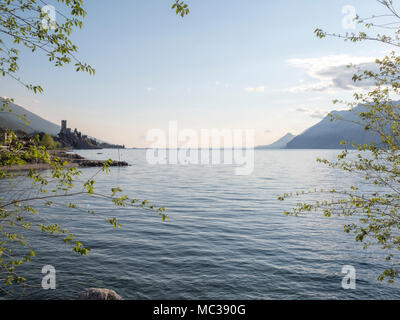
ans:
(74, 161)
(79, 161)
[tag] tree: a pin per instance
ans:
(47, 141)
(373, 215)
(28, 24)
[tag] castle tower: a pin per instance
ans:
(63, 125)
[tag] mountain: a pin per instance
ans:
(10, 120)
(328, 134)
(279, 144)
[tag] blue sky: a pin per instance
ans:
(249, 64)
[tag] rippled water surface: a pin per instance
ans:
(227, 238)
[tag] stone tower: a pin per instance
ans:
(63, 125)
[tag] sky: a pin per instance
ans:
(238, 64)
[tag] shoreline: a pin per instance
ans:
(74, 161)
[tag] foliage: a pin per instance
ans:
(21, 25)
(47, 141)
(181, 8)
(373, 215)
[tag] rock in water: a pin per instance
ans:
(99, 294)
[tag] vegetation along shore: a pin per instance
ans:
(27, 146)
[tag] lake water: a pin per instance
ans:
(227, 238)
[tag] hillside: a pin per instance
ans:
(279, 144)
(36, 123)
(328, 134)
(10, 120)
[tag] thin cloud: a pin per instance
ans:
(331, 73)
(313, 113)
(255, 89)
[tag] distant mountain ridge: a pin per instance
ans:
(279, 144)
(328, 134)
(324, 135)
(10, 120)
